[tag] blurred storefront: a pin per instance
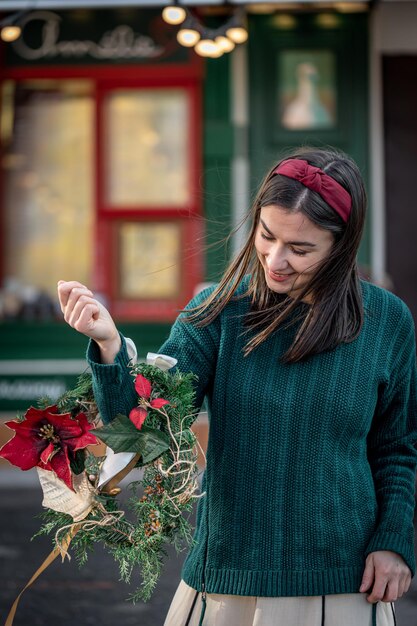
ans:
(101, 166)
(126, 158)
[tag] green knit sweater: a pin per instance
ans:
(310, 466)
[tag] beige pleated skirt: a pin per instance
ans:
(347, 609)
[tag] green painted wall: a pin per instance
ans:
(218, 150)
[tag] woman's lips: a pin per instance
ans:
(280, 278)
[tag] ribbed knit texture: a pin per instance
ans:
(310, 466)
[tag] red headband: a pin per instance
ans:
(315, 179)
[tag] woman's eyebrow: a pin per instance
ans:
(292, 243)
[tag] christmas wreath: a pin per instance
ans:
(80, 488)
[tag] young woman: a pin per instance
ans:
(310, 377)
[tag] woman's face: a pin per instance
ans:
(290, 248)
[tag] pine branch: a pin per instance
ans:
(159, 504)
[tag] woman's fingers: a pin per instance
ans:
(404, 584)
(65, 291)
(391, 591)
(379, 588)
(368, 574)
(75, 296)
(84, 313)
(76, 303)
(401, 587)
(87, 317)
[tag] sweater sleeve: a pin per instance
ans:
(391, 450)
(195, 349)
(113, 385)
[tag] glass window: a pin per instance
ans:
(149, 259)
(147, 148)
(47, 134)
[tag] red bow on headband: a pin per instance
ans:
(315, 179)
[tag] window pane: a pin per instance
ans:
(47, 128)
(147, 148)
(149, 260)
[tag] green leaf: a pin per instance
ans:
(154, 442)
(121, 435)
(77, 462)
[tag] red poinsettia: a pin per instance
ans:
(48, 439)
(144, 389)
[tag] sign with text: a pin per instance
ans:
(95, 37)
(18, 393)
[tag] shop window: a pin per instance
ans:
(47, 136)
(149, 260)
(99, 185)
(147, 148)
(148, 210)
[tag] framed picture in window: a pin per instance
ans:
(307, 90)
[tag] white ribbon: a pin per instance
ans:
(162, 361)
(113, 464)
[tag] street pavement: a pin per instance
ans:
(66, 595)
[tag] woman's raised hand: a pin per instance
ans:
(87, 315)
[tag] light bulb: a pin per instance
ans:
(284, 21)
(224, 43)
(188, 37)
(238, 34)
(208, 48)
(174, 15)
(10, 33)
(328, 20)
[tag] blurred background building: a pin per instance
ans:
(127, 157)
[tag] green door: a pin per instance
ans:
(308, 86)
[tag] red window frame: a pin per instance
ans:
(105, 274)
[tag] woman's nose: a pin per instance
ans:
(278, 259)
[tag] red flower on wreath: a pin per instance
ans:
(48, 439)
(144, 389)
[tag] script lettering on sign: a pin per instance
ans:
(119, 43)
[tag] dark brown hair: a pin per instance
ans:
(336, 312)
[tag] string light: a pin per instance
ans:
(207, 42)
(225, 43)
(174, 14)
(235, 29)
(237, 34)
(208, 48)
(10, 33)
(188, 37)
(10, 29)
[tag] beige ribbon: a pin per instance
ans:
(62, 549)
(58, 551)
